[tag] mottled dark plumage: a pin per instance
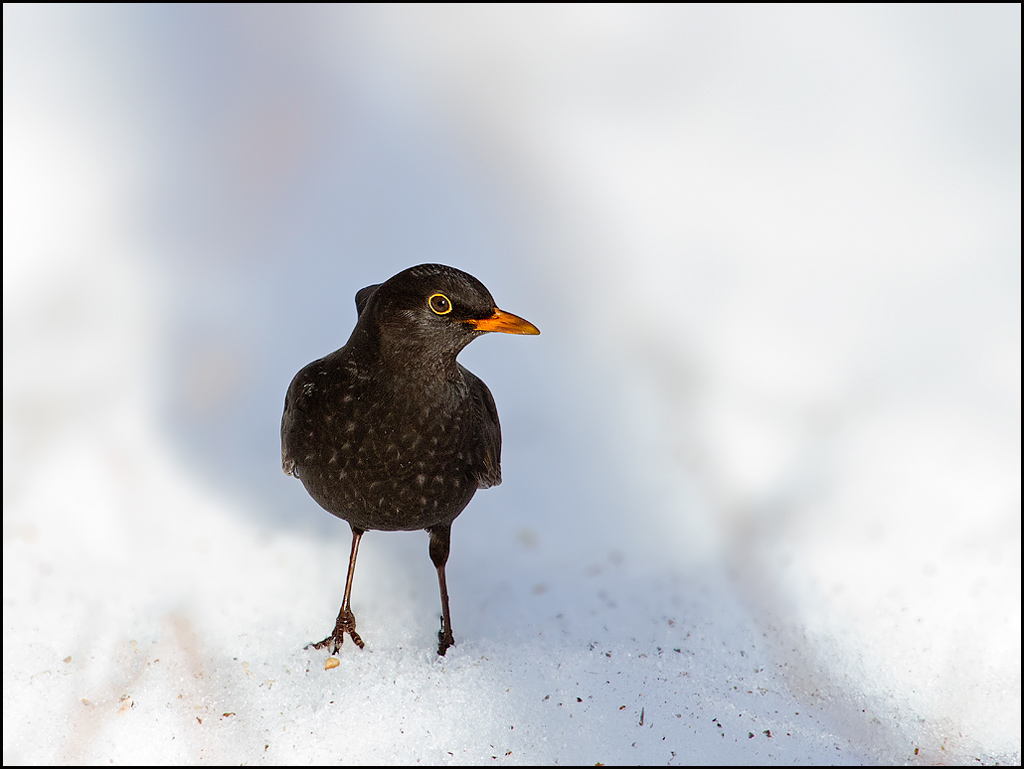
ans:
(390, 433)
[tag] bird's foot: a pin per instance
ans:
(346, 625)
(445, 639)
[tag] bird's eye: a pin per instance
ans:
(440, 304)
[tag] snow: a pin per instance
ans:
(761, 498)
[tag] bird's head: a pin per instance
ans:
(431, 311)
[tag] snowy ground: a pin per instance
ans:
(762, 467)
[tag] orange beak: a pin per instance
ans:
(504, 323)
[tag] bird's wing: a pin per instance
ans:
(299, 392)
(488, 472)
(363, 296)
(287, 422)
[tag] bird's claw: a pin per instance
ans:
(445, 639)
(346, 625)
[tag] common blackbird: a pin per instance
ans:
(390, 433)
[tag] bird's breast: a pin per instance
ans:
(386, 459)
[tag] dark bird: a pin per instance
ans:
(390, 433)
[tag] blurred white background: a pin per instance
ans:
(763, 461)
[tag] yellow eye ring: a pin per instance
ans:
(439, 304)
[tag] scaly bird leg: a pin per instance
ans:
(346, 623)
(440, 542)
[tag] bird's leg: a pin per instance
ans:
(440, 540)
(346, 619)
